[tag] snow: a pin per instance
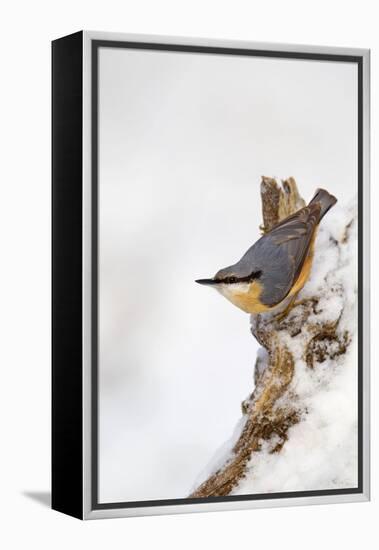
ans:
(321, 450)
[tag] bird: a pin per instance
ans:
(275, 268)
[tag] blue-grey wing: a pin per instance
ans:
(280, 254)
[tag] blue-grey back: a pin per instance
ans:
(280, 254)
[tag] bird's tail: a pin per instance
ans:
(325, 199)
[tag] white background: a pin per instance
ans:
(25, 290)
(184, 140)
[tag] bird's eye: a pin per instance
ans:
(232, 279)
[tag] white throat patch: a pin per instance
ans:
(230, 290)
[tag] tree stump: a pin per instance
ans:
(306, 335)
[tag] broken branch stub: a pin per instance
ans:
(278, 202)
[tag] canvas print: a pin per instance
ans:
(227, 283)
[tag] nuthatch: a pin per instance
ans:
(273, 270)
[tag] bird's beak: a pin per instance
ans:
(207, 281)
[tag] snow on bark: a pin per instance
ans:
(299, 426)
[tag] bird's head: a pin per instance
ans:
(236, 286)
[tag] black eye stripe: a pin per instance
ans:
(251, 277)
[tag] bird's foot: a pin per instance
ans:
(289, 307)
(282, 315)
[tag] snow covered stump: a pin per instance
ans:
(298, 431)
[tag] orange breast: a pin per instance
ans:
(249, 301)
